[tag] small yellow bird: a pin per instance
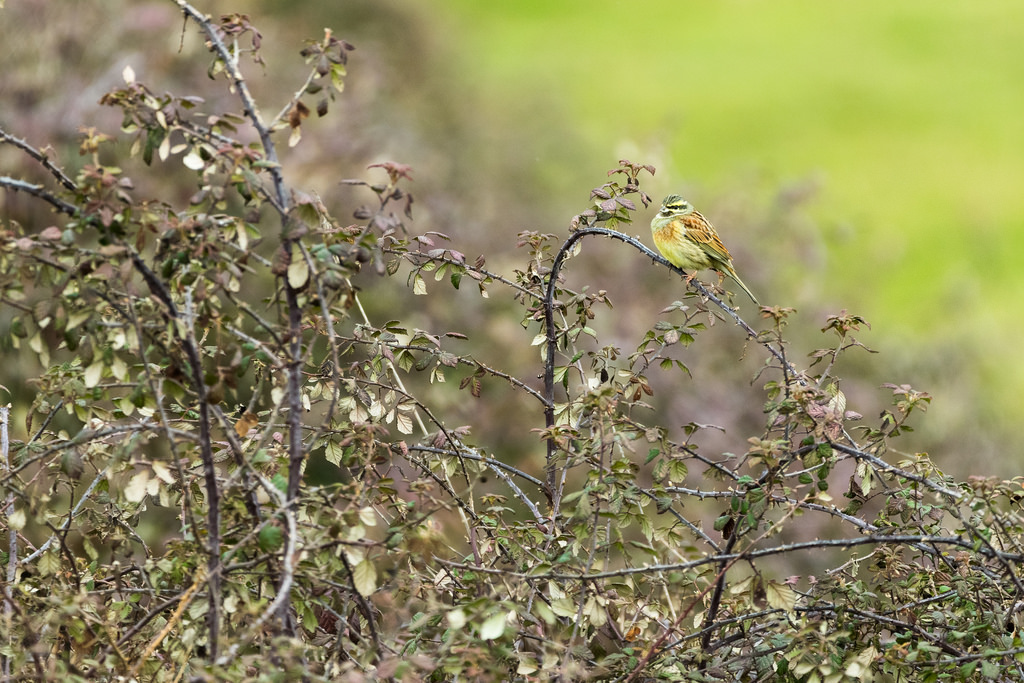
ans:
(689, 241)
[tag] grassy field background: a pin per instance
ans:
(909, 113)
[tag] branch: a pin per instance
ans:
(74, 513)
(39, 191)
(892, 469)
(209, 475)
(462, 360)
(496, 466)
(61, 177)
(413, 256)
(248, 103)
(843, 543)
(189, 344)
(282, 600)
(39, 157)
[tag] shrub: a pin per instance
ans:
(231, 471)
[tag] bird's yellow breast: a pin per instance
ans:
(669, 237)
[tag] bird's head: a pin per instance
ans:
(674, 205)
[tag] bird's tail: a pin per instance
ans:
(736, 277)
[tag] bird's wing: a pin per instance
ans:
(700, 230)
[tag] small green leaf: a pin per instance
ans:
(270, 538)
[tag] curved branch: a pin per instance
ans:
(552, 336)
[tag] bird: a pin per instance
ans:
(689, 241)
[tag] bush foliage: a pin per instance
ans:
(231, 471)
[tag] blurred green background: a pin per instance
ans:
(862, 156)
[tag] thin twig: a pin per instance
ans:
(39, 156)
(74, 513)
(40, 192)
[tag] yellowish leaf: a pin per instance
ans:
(298, 271)
(16, 520)
(493, 627)
(364, 577)
(76, 319)
(860, 666)
(456, 619)
(334, 453)
(192, 160)
(527, 665)
(49, 563)
(136, 489)
(419, 287)
(403, 422)
(118, 368)
(242, 235)
(595, 612)
(368, 516)
(563, 607)
(802, 668)
(125, 405)
(163, 472)
(277, 395)
(742, 586)
(164, 150)
(93, 374)
(541, 609)
(780, 596)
